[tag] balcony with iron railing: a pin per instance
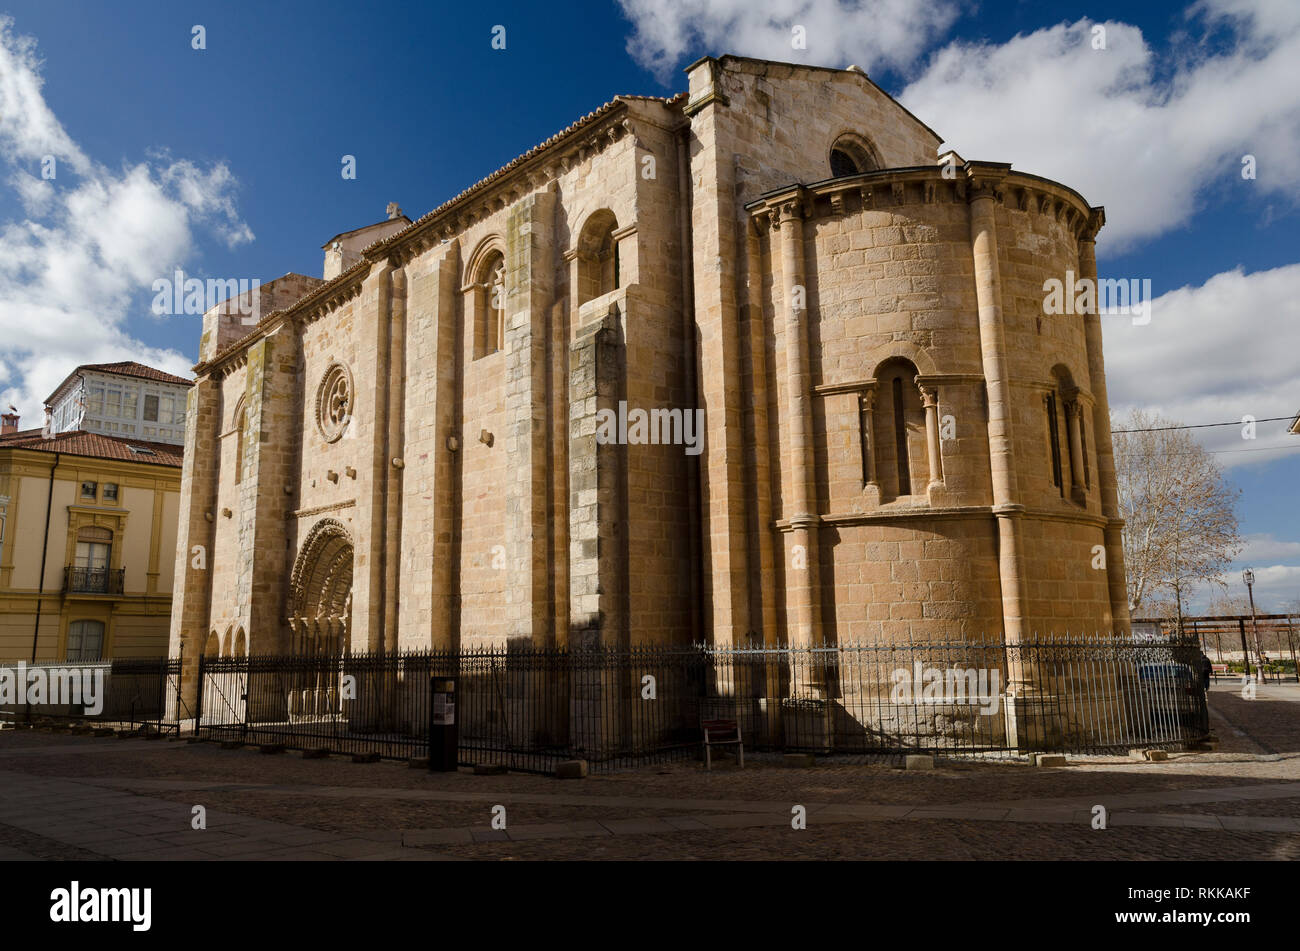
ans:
(93, 580)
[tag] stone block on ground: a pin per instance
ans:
(571, 769)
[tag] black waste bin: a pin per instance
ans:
(442, 724)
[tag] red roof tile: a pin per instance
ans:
(81, 443)
(123, 368)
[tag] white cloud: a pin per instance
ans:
(1215, 353)
(1277, 588)
(1141, 133)
(90, 242)
(27, 126)
(1264, 547)
(869, 33)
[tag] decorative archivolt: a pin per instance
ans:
(476, 264)
(321, 583)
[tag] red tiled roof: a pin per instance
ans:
(131, 368)
(123, 368)
(81, 443)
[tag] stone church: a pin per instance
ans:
(413, 451)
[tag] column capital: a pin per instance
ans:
(929, 393)
(793, 207)
(984, 188)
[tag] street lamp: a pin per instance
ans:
(1248, 576)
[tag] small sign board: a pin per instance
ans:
(444, 709)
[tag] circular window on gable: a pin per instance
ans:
(334, 402)
(852, 155)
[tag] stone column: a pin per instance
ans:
(1073, 422)
(803, 593)
(993, 351)
(1106, 482)
(1031, 720)
(867, 409)
(930, 400)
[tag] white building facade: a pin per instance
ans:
(126, 399)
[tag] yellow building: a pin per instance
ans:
(99, 514)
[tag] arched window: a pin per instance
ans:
(212, 648)
(488, 299)
(852, 155)
(241, 643)
(598, 265)
(225, 648)
(1053, 408)
(85, 640)
(899, 429)
(241, 424)
(1066, 436)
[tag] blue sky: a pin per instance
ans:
(226, 161)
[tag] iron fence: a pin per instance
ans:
(529, 708)
(133, 692)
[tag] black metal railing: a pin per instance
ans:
(530, 708)
(130, 692)
(93, 580)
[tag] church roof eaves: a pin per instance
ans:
(425, 221)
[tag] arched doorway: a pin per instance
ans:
(320, 601)
(320, 618)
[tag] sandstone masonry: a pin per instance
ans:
(898, 443)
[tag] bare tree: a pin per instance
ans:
(1180, 523)
(1227, 605)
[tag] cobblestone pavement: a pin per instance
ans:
(77, 797)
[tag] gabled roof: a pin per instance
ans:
(344, 234)
(81, 443)
(851, 73)
(122, 368)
